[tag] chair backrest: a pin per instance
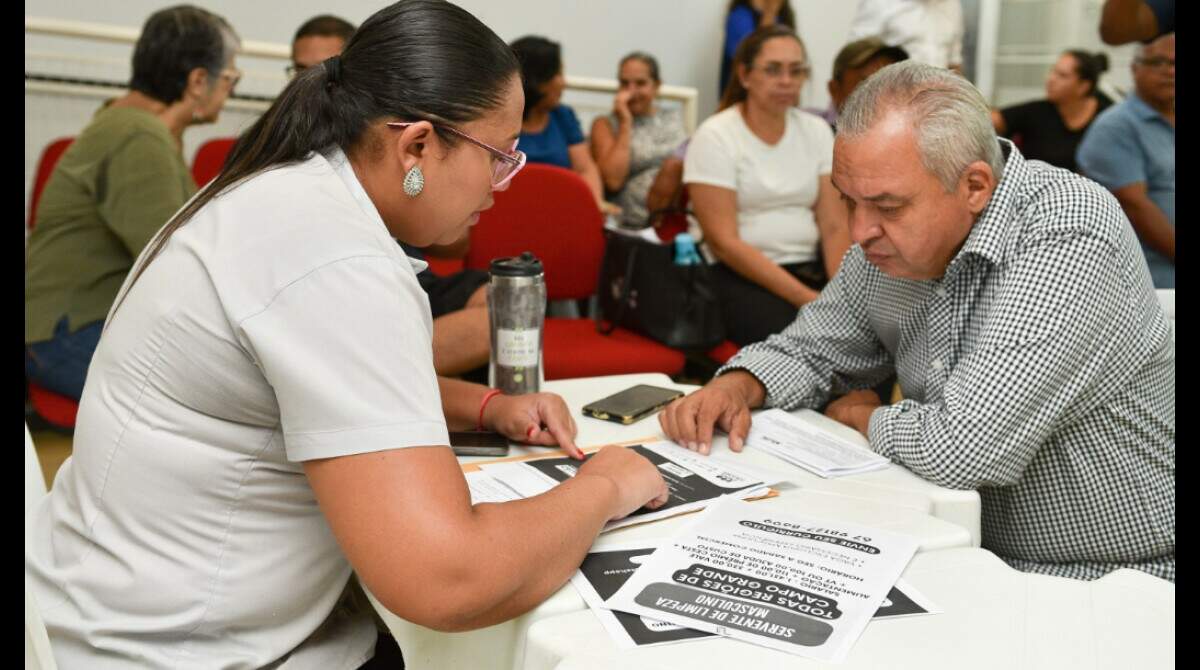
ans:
(209, 159)
(676, 222)
(45, 168)
(550, 211)
(37, 642)
(1166, 298)
(35, 484)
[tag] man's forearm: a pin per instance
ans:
(1152, 226)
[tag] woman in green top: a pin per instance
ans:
(117, 184)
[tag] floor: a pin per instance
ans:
(52, 449)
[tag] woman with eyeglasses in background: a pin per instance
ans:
(758, 176)
(262, 416)
(116, 185)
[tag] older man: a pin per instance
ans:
(319, 38)
(1130, 149)
(854, 63)
(1011, 299)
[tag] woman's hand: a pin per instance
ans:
(609, 209)
(637, 482)
(621, 106)
(533, 418)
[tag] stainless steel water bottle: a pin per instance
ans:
(516, 312)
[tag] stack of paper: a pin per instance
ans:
(694, 480)
(799, 585)
(804, 445)
(605, 570)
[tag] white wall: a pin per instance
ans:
(685, 35)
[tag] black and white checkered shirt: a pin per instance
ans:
(1040, 370)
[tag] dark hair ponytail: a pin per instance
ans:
(541, 61)
(746, 52)
(1089, 66)
(414, 60)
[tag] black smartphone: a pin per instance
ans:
(478, 443)
(631, 404)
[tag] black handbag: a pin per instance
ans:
(643, 290)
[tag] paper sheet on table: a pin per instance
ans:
(605, 570)
(485, 488)
(694, 480)
(798, 585)
(807, 446)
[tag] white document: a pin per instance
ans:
(605, 570)
(803, 586)
(807, 446)
(487, 489)
(647, 234)
(694, 480)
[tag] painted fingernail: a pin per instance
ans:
(529, 433)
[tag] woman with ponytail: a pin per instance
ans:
(262, 416)
(1050, 129)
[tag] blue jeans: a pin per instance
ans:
(60, 364)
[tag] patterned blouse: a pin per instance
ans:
(655, 137)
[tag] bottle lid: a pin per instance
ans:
(525, 265)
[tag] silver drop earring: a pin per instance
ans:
(414, 182)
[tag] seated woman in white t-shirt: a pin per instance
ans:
(262, 415)
(757, 173)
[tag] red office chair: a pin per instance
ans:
(550, 211)
(723, 352)
(675, 221)
(209, 159)
(58, 410)
(444, 267)
(45, 167)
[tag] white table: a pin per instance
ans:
(994, 617)
(893, 498)
(892, 486)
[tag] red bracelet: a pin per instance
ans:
(483, 403)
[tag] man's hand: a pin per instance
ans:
(724, 402)
(854, 409)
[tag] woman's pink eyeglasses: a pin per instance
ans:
(508, 163)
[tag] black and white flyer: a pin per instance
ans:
(803, 586)
(695, 480)
(605, 570)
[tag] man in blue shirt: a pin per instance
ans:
(1130, 149)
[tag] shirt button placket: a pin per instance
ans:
(939, 324)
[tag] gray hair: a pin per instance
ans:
(951, 119)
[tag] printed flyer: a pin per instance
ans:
(799, 585)
(606, 569)
(694, 480)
